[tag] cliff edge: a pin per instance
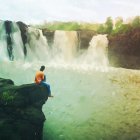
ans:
(21, 116)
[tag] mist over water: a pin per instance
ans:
(91, 100)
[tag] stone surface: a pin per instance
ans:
(84, 38)
(21, 116)
(124, 49)
(49, 35)
(23, 29)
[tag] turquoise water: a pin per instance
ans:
(87, 104)
(93, 105)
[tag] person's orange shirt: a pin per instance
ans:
(39, 77)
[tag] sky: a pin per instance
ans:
(39, 11)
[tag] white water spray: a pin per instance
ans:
(65, 46)
(66, 54)
(3, 43)
(17, 42)
(96, 55)
(63, 53)
(37, 49)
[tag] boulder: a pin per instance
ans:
(21, 116)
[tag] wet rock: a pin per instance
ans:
(49, 35)
(8, 30)
(21, 116)
(23, 29)
(84, 38)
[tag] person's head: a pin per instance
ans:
(42, 68)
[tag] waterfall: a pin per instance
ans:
(65, 52)
(20, 42)
(65, 45)
(96, 54)
(3, 43)
(29, 44)
(37, 47)
(17, 44)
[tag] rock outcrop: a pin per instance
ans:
(23, 30)
(21, 116)
(124, 49)
(84, 38)
(8, 30)
(49, 35)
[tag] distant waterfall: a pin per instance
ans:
(96, 55)
(65, 45)
(17, 43)
(3, 43)
(65, 51)
(37, 47)
(20, 42)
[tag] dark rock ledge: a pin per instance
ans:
(21, 116)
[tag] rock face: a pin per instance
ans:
(84, 38)
(21, 116)
(49, 35)
(23, 29)
(8, 38)
(124, 49)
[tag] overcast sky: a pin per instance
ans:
(37, 11)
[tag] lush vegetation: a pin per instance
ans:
(109, 27)
(69, 26)
(6, 97)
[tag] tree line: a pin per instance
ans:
(109, 27)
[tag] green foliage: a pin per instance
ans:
(101, 29)
(68, 26)
(64, 26)
(122, 29)
(136, 22)
(108, 25)
(104, 28)
(6, 97)
(118, 23)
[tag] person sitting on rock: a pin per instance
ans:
(40, 79)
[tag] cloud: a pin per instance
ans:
(49, 10)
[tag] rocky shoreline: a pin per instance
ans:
(21, 116)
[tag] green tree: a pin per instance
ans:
(136, 21)
(101, 29)
(109, 25)
(118, 22)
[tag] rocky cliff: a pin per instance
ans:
(21, 116)
(124, 49)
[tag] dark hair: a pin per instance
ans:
(42, 68)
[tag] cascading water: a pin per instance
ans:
(65, 46)
(3, 43)
(96, 55)
(37, 47)
(20, 46)
(65, 52)
(17, 44)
